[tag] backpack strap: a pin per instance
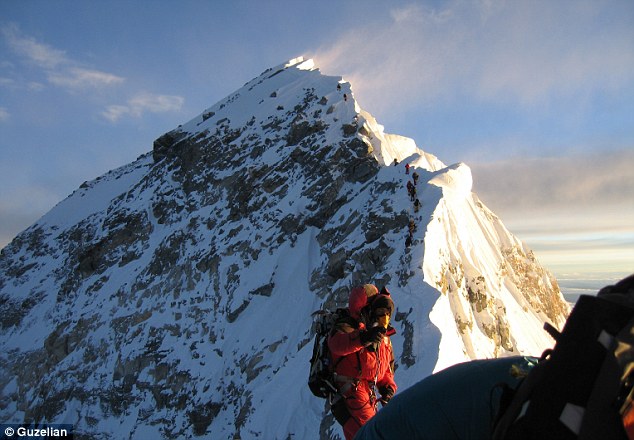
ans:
(552, 331)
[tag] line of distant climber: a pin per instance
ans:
(345, 96)
(411, 191)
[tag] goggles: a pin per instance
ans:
(381, 312)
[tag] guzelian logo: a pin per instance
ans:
(50, 431)
(43, 432)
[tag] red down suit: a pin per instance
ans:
(359, 369)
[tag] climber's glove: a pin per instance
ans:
(386, 394)
(372, 335)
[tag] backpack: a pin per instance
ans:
(321, 376)
(582, 388)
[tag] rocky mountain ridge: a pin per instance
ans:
(172, 297)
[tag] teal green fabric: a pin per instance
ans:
(458, 403)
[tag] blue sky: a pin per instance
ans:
(537, 97)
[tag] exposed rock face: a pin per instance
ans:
(172, 297)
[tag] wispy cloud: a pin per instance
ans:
(579, 238)
(76, 77)
(4, 114)
(575, 212)
(527, 53)
(60, 69)
(534, 183)
(142, 103)
(7, 82)
(40, 54)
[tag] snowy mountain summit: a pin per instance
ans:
(172, 297)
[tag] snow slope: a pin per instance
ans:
(171, 298)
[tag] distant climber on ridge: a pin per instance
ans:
(410, 187)
(417, 205)
(412, 226)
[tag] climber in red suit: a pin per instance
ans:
(363, 358)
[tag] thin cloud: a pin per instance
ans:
(143, 103)
(115, 112)
(155, 103)
(77, 78)
(528, 53)
(4, 114)
(40, 54)
(576, 237)
(524, 184)
(60, 70)
(7, 82)
(572, 211)
(34, 86)
(12, 84)
(532, 52)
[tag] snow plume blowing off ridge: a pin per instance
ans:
(172, 297)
